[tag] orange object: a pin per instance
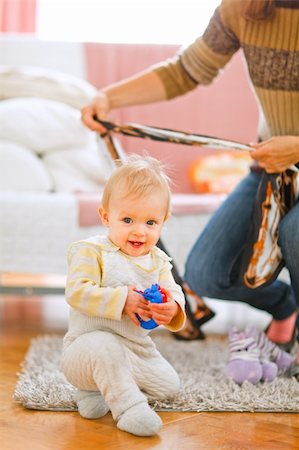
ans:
(218, 172)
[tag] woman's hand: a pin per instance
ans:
(99, 107)
(142, 88)
(277, 153)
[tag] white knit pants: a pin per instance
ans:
(101, 361)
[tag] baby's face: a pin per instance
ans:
(135, 224)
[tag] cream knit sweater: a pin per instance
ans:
(96, 289)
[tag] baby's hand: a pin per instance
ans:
(136, 304)
(163, 313)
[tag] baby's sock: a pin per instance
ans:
(140, 420)
(281, 331)
(91, 404)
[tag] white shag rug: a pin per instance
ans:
(200, 365)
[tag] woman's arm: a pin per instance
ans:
(199, 63)
(145, 87)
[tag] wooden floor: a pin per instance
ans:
(23, 318)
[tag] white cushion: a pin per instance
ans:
(42, 125)
(37, 82)
(77, 169)
(20, 170)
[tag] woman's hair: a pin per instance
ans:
(258, 9)
(138, 176)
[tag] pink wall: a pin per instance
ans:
(226, 108)
(17, 15)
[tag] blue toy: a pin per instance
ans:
(154, 294)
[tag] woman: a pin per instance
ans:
(267, 31)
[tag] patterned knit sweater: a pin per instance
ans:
(96, 288)
(271, 50)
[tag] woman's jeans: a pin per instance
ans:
(212, 268)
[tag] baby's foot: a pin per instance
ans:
(91, 404)
(140, 420)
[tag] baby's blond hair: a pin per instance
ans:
(138, 176)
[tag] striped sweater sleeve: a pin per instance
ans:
(271, 51)
(201, 61)
(83, 288)
(167, 281)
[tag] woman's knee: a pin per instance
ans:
(197, 271)
(289, 234)
(205, 279)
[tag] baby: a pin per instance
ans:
(107, 355)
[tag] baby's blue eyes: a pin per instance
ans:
(129, 220)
